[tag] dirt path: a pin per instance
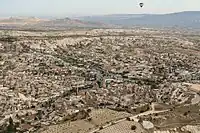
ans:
(146, 113)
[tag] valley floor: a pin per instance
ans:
(100, 80)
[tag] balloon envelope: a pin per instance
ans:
(141, 4)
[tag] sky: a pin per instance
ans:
(93, 7)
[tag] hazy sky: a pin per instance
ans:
(90, 7)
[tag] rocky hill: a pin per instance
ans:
(20, 21)
(36, 23)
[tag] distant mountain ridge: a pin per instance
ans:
(181, 19)
(187, 19)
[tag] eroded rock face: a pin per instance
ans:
(147, 125)
(43, 77)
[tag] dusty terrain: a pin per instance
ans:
(103, 81)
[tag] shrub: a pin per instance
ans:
(133, 127)
(128, 119)
(101, 128)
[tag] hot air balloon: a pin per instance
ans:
(141, 5)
